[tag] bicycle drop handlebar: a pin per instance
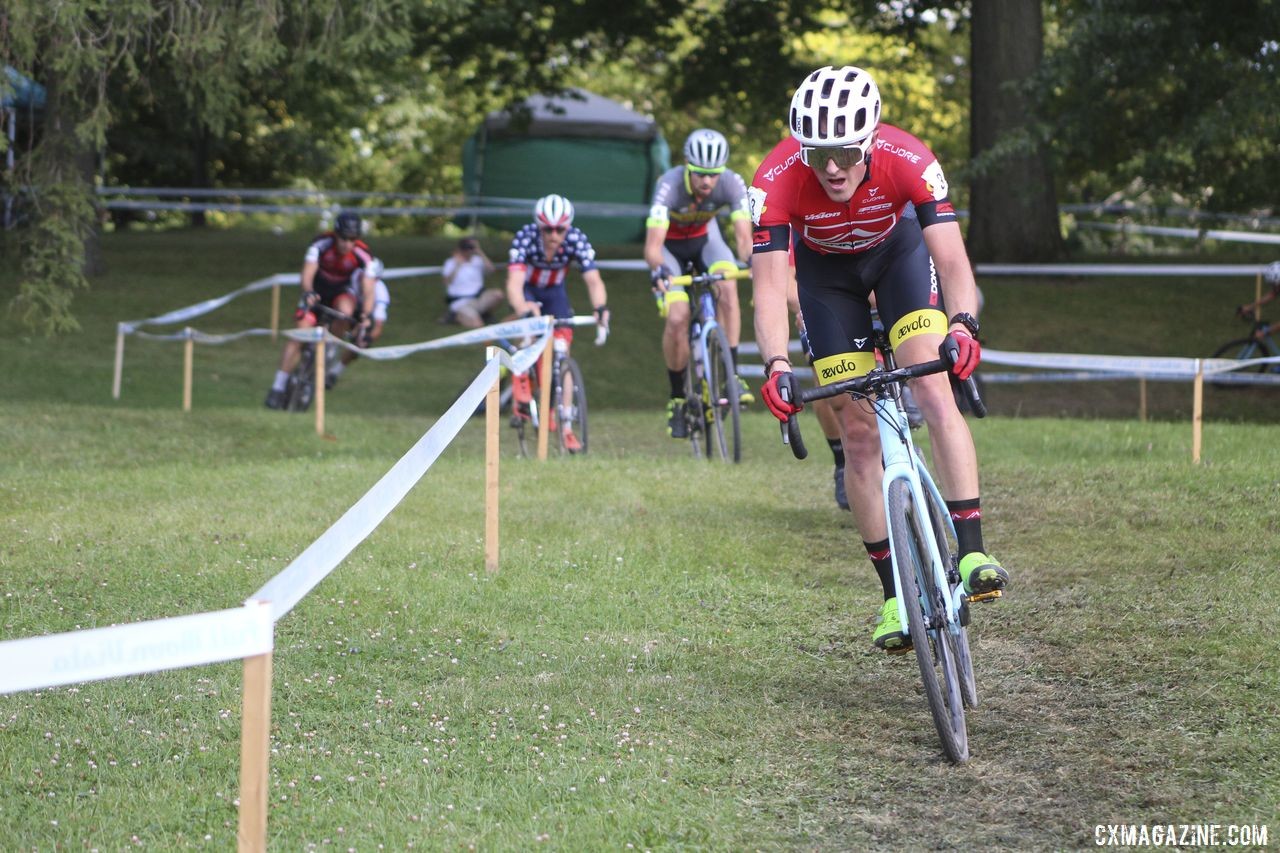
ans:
(872, 383)
(706, 278)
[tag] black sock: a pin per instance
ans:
(676, 378)
(837, 450)
(967, 517)
(879, 554)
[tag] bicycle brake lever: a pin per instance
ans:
(791, 429)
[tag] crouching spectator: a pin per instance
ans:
(468, 303)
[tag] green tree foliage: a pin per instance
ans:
(1166, 101)
(201, 55)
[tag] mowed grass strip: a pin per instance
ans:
(673, 654)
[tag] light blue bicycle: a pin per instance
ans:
(932, 603)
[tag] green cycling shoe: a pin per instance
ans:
(888, 633)
(982, 574)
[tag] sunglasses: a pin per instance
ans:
(845, 155)
(553, 229)
(698, 171)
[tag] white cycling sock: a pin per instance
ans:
(281, 380)
(337, 369)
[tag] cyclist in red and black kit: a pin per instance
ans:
(339, 271)
(841, 182)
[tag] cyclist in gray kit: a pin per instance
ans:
(682, 229)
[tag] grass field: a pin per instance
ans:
(673, 655)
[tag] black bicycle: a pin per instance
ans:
(301, 388)
(712, 407)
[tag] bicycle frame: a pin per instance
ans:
(902, 462)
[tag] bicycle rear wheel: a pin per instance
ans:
(720, 394)
(926, 620)
(573, 416)
(302, 381)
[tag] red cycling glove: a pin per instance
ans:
(779, 385)
(961, 352)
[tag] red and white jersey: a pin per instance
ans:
(902, 169)
(338, 267)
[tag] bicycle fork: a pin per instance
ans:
(900, 464)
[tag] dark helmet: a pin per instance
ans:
(347, 225)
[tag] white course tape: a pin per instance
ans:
(1188, 270)
(1192, 233)
(181, 314)
(314, 564)
(136, 648)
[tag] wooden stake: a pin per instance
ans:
(275, 310)
(1197, 413)
(491, 418)
(544, 399)
(255, 746)
(1142, 399)
(320, 362)
(188, 362)
(1257, 298)
(119, 374)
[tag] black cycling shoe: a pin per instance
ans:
(842, 498)
(275, 399)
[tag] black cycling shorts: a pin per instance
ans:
(835, 292)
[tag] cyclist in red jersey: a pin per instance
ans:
(842, 182)
(339, 271)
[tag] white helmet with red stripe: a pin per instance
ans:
(553, 211)
(835, 107)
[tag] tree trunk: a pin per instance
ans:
(1013, 206)
(200, 169)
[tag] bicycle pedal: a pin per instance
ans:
(987, 596)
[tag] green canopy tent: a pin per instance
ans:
(597, 153)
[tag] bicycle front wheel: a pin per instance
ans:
(926, 620)
(302, 381)
(720, 393)
(573, 405)
(695, 420)
(957, 631)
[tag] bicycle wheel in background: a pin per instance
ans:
(720, 394)
(922, 601)
(302, 381)
(1240, 350)
(574, 415)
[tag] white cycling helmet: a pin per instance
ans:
(835, 107)
(553, 211)
(706, 149)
